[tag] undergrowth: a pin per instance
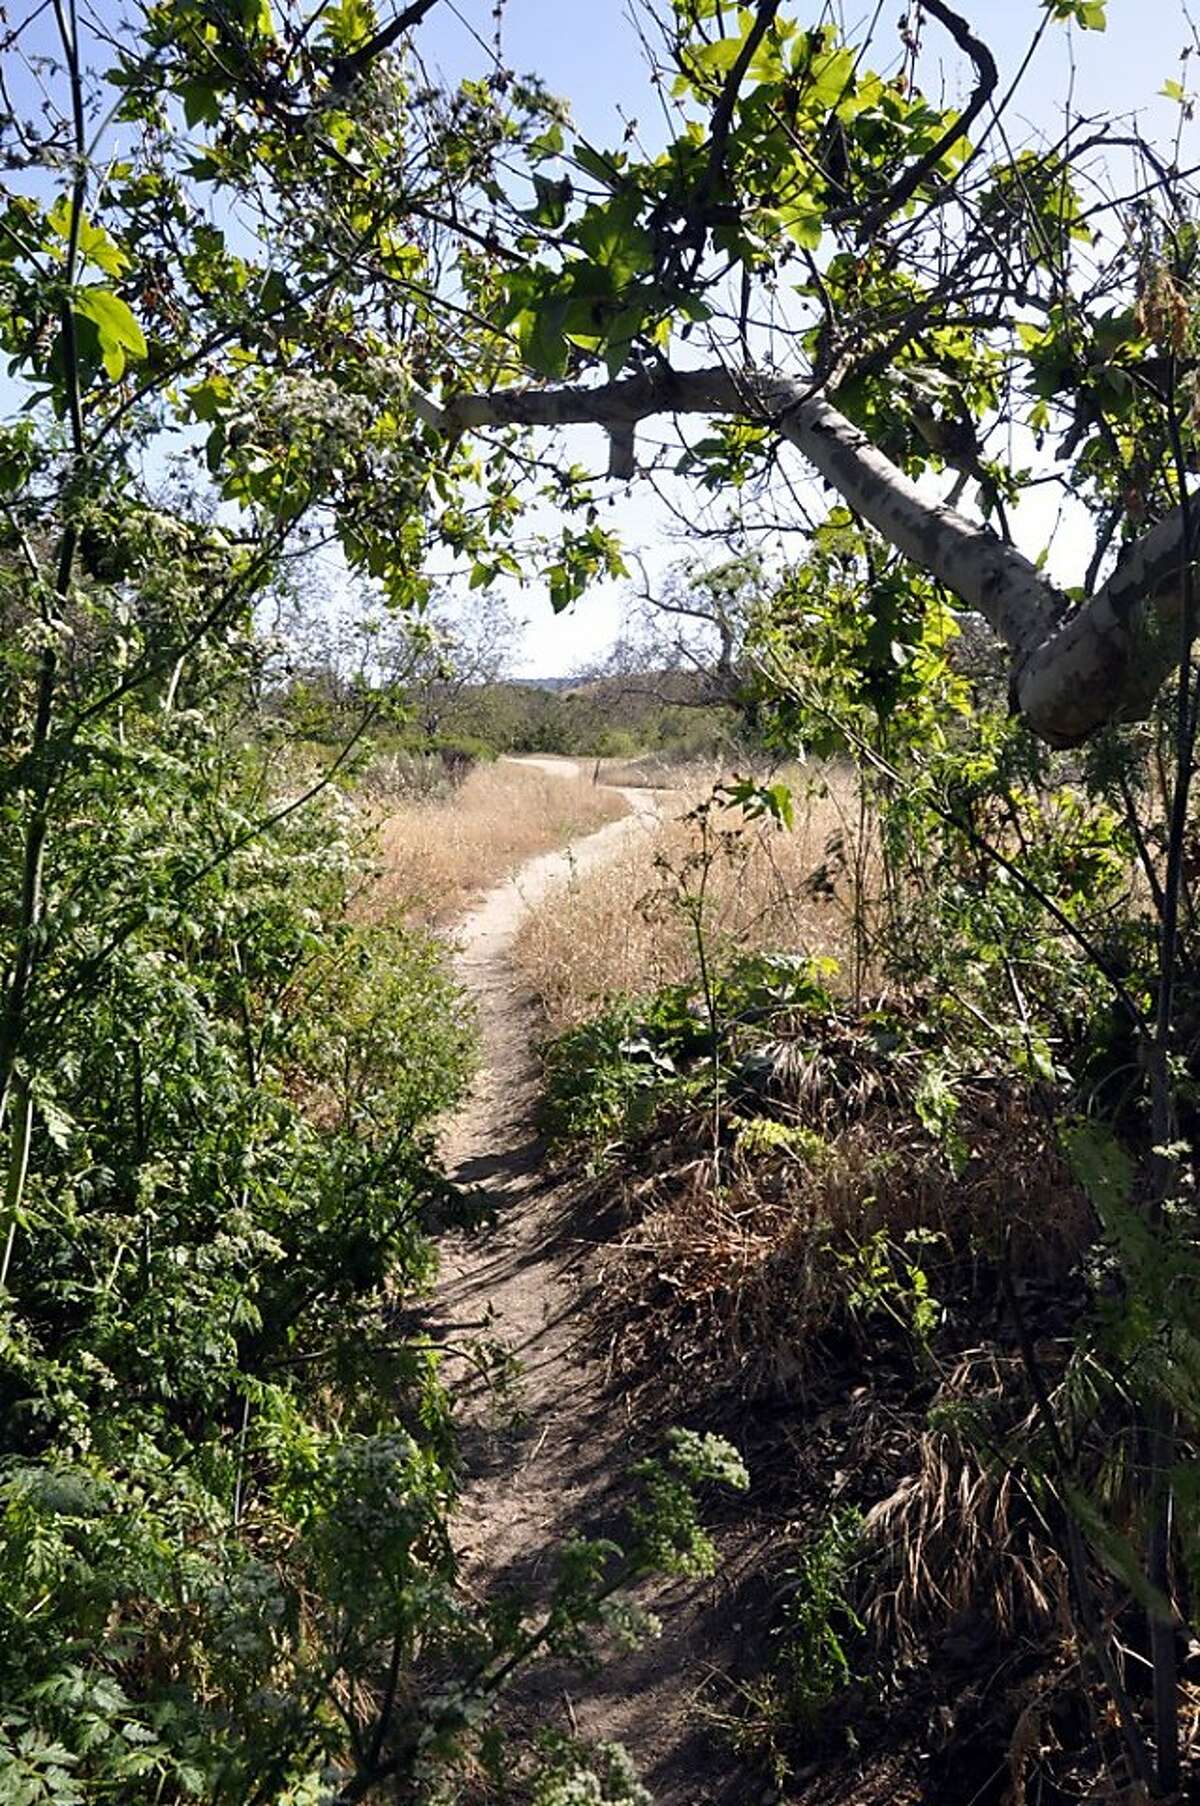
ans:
(794, 1167)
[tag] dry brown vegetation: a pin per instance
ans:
(729, 1286)
(690, 776)
(438, 853)
(729, 1279)
(957, 1528)
(620, 930)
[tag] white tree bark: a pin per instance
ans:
(1072, 670)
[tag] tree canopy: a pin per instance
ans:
(364, 296)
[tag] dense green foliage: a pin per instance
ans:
(606, 1081)
(589, 720)
(206, 1409)
(227, 1464)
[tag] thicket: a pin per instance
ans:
(224, 1474)
(482, 721)
(939, 1155)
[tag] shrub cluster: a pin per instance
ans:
(223, 1477)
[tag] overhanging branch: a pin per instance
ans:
(986, 78)
(1072, 671)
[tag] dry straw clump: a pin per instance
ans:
(618, 930)
(728, 1284)
(957, 1534)
(438, 853)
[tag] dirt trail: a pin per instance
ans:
(563, 1467)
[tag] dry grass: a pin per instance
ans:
(957, 1534)
(729, 1281)
(658, 771)
(730, 1287)
(439, 854)
(620, 930)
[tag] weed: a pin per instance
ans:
(887, 1275)
(812, 1652)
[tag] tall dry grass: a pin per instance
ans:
(438, 854)
(689, 774)
(624, 928)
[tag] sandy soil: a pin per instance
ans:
(562, 1466)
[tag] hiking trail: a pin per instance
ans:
(562, 1467)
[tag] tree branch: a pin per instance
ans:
(985, 86)
(722, 118)
(347, 69)
(1071, 671)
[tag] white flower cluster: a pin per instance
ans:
(375, 1487)
(304, 410)
(603, 1776)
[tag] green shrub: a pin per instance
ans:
(461, 751)
(223, 1482)
(615, 743)
(606, 1081)
(778, 1714)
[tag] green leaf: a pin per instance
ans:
(828, 80)
(200, 103)
(120, 335)
(95, 245)
(259, 18)
(1086, 13)
(349, 23)
(611, 237)
(718, 58)
(547, 144)
(801, 219)
(605, 169)
(551, 205)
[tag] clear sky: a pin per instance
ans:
(586, 51)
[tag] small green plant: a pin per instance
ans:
(811, 1659)
(606, 1080)
(815, 1639)
(888, 1275)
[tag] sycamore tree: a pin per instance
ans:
(822, 259)
(261, 237)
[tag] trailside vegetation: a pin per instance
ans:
(227, 1460)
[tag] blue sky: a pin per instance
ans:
(586, 51)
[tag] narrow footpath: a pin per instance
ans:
(558, 1465)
